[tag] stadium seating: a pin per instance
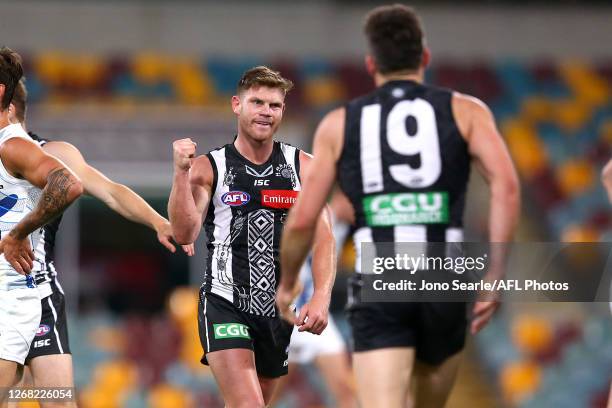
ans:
(556, 117)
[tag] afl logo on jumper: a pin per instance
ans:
(42, 330)
(235, 198)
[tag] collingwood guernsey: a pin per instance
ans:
(244, 223)
(404, 166)
(44, 252)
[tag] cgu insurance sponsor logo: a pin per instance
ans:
(231, 331)
(235, 198)
(278, 198)
(406, 208)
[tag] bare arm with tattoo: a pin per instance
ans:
(60, 187)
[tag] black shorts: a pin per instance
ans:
(223, 326)
(436, 330)
(52, 334)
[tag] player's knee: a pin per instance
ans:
(249, 404)
(246, 400)
(345, 395)
(343, 390)
(428, 377)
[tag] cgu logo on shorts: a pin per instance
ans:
(235, 198)
(278, 198)
(42, 330)
(231, 331)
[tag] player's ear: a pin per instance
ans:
(426, 58)
(236, 104)
(370, 64)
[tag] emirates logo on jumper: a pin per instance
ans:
(278, 198)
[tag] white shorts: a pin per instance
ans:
(20, 313)
(305, 347)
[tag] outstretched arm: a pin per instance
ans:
(191, 191)
(60, 187)
(117, 196)
(493, 161)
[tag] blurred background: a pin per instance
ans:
(122, 79)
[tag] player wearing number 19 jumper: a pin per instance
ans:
(243, 192)
(402, 155)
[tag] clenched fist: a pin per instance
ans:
(183, 152)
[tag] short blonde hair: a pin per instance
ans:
(263, 76)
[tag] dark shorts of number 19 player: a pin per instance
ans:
(222, 326)
(436, 330)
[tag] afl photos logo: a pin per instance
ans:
(235, 198)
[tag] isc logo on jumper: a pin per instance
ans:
(235, 198)
(261, 182)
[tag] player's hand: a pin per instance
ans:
(285, 297)
(314, 315)
(164, 235)
(183, 153)
(189, 249)
(18, 253)
(482, 313)
(488, 301)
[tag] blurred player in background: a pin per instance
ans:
(24, 170)
(404, 138)
(243, 192)
(49, 359)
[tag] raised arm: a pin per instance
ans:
(493, 161)
(60, 187)
(191, 191)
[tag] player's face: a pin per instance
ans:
(260, 111)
